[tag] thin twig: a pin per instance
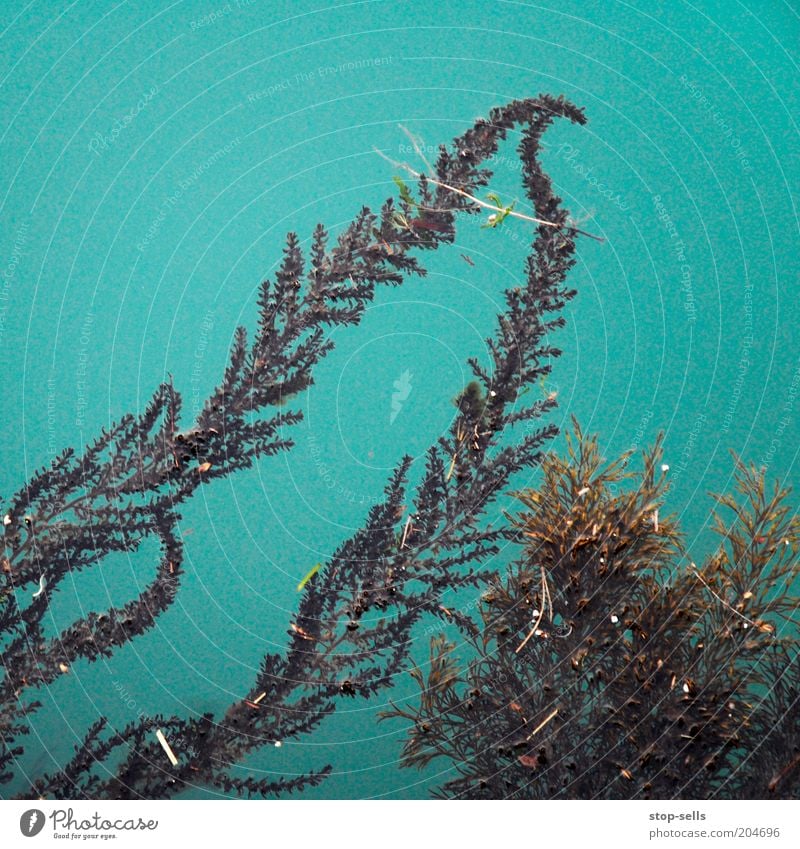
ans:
(546, 602)
(417, 146)
(542, 724)
(719, 598)
(782, 774)
(452, 467)
(405, 533)
(166, 747)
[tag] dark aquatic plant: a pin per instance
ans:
(131, 482)
(609, 666)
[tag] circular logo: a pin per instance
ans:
(31, 822)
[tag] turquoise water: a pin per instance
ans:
(132, 253)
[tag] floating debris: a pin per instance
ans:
(166, 747)
(255, 703)
(408, 527)
(42, 585)
(542, 724)
(308, 576)
(301, 632)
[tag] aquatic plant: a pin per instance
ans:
(608, 665)
(130, 483)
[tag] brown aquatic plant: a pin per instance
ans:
(608, 665)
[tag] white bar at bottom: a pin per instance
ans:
(398, 825)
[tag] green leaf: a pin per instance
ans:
(309, 575)
(405, 192)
